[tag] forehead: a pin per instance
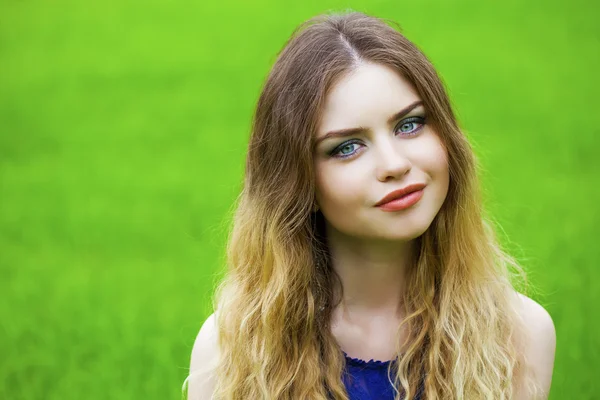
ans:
(366, 96)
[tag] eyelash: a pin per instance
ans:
(418, 120)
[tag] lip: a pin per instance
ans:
(396, 194)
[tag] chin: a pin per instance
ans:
(405, 237)
(406, 231)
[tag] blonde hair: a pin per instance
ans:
(275, 303)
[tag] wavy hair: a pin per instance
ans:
(275, 302)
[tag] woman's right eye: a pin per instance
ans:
(345, 150)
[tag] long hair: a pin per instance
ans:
(274, 305)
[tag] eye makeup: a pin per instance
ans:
(418, 121)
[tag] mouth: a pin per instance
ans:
(403, 202)
(401, 194)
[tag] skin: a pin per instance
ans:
(540, 347)
(370, 248)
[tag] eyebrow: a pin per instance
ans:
(353, 131)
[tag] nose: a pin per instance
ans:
(392, 161)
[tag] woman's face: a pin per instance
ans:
(389, 152)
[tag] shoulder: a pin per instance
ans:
(539, 343)
(538, 323)
(204, 359)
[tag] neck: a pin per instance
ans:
(372, 272)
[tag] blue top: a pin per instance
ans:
(368, 380)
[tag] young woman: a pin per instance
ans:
(361, 265)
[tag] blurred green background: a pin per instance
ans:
(123, 127)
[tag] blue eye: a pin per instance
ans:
(404, 127)
(345, 149)
(407, 123)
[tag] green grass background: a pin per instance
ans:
(123, 127)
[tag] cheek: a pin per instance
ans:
(440, 162)
(430, 155)
(338, 188)
(440, 169)
(443, 163)
(434, 156)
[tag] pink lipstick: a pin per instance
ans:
(402, 198)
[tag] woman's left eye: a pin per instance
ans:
(408, 125)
